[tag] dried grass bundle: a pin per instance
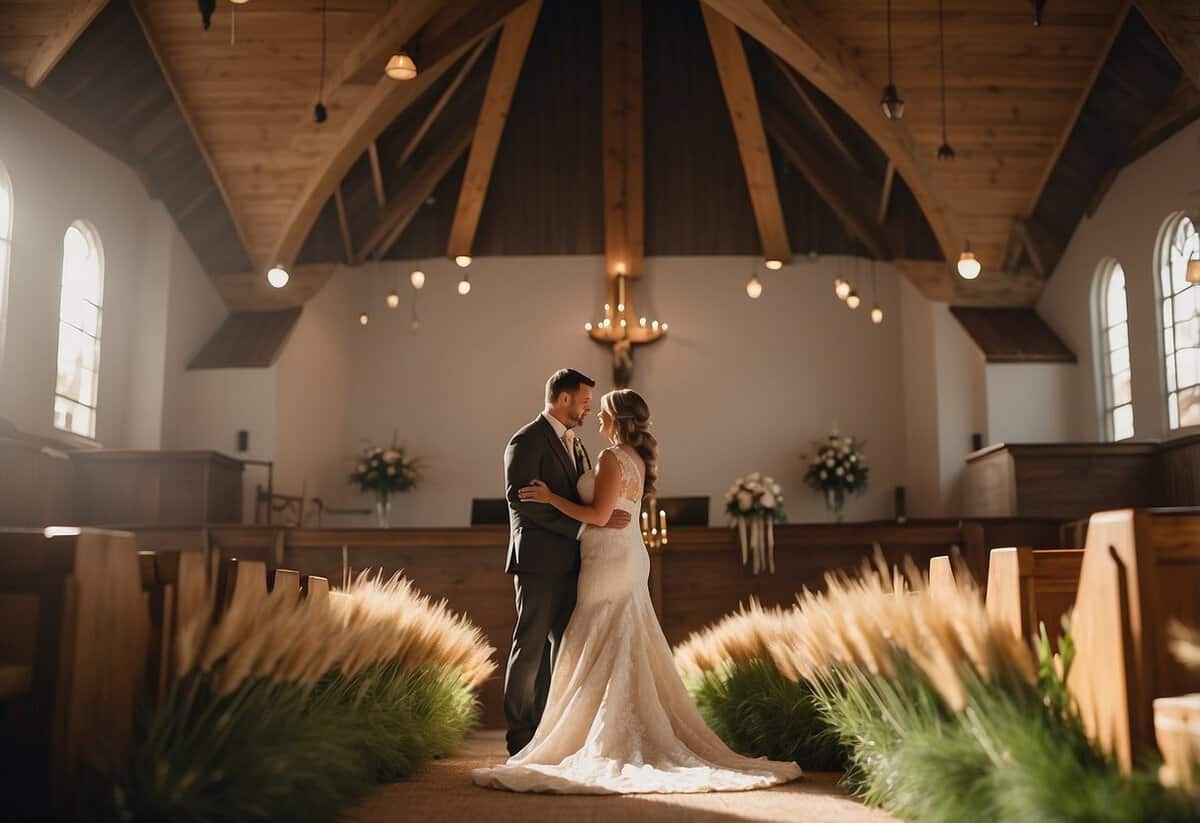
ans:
(737, 638)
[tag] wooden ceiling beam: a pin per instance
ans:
(799, 36)
(623, 139)
(412, 194)
(506, 70)
(445, 98)
(235, 216)
(814, 109)
(339, 204)
(742, 100)
(829, 182)
(443, 45)
(1177, 33)
(885, 195)
(60, 41)
(1069, 126)
(376, 174)
(1044, 250)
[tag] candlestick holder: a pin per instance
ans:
(654, 525)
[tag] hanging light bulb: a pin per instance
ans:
(278, 277)
(945, 151)
(363, 319)
(417, 278)
(773, 265)
(393, 299)
(841, 288)
(239, 2)
(876, 314)
(400, 66)
(968, 266)
(852, 299)
(463, 260)
(754, 288)
(891, 102)
(464, 286)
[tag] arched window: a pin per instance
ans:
(6, 221)
(79, 331)
(1180, 321)
(1114, 352)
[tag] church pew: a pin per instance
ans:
(176, 587)
(1141, 570)
(941, 574)
(1027, 587)
(87, 627)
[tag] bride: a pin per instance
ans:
(618, 719)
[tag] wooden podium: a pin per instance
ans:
(126, 487)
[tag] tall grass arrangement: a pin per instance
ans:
(948, 715)
(743, 697)
(290, 709)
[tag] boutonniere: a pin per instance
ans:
(581, 455)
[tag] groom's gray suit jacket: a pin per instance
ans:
(542, 540)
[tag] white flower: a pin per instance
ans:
(777, 489)
(362, 467)
(391, 456)
(755, 488)
(824, 475)
(850, 478)
(840, 471)
(745, 501)
(767, 500)
(754, 476)
(377, 450)
(829, 462)
(854, 458)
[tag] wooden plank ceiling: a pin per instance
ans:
(262, 182)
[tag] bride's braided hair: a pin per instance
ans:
(631, 420)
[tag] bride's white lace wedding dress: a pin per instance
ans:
(618, 718)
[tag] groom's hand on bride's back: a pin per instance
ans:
(619, 520)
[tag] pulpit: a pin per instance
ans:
(133, 487)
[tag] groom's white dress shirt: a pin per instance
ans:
(560, 431)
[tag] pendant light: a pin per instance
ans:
(754, 288)
(1038, 5)
(320, 114)
(944, 152)
(853, 300)
(968, 266)
(891, 103)
(464, 285)
(876, 310)
(417, 278)
(278, 276)
(363, 319)
(401, 66)
(841, 287)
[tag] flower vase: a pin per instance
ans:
(835, 499)
(383, 511)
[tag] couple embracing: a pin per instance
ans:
(592, 699)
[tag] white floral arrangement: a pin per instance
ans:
(837, 468)
(386, 470)
(754, 503)
(755, 494)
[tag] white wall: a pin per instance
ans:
(1029, 402)
(57, 178)
(738, 385)
(1126, 227)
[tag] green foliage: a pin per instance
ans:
(759, 712)
(276, 751)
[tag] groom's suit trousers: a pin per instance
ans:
(544, 606)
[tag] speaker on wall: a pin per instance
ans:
(976, 441)
(243, 440)
(901, 501)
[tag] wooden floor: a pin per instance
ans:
(445, 792)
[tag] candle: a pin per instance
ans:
(662, 522)
(645, 523)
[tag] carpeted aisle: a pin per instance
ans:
(444, 792)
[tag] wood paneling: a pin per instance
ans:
(119, 486)
(1027, 588)
(1066, 480)
(624, 135)
(1007, 335)
(1178, 465)
(1141, 571)
(247, 340)
(89, 635)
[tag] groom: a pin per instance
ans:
(543, 546)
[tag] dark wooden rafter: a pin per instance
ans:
(828, 179)
(445, 40)
(800, 87)
(1042, 249)
(343, 224)
(376, 174)
(1012, 335)
(506, 70)
(60, 41)
(1180, 35)
(622, 92)
(1069, 126)
(414, 191)
(885, 194)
